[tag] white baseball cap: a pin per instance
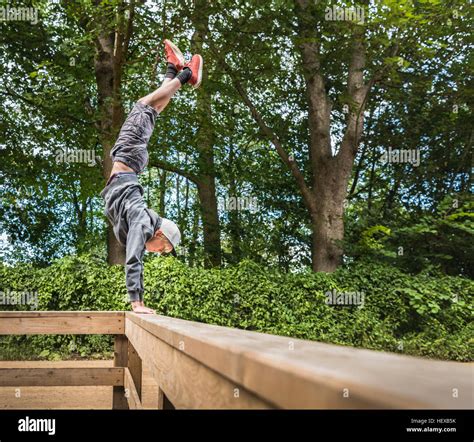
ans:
(172, 233)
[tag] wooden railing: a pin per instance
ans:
(200, 366)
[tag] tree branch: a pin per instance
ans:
(362, 157)
(129, 30)
(267, 131)
(358, 93)
(175, 169)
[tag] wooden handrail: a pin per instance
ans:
(293, 373)
(198, 365)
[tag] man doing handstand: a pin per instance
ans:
(135, 225)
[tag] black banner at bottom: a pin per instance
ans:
(292, 425)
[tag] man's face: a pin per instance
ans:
(159, 243)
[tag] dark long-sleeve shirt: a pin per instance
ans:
(133, 223)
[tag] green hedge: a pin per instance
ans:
(426, 315)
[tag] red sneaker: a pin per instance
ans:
(174, 55)
(196, 67)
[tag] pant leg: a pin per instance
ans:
(131, 145)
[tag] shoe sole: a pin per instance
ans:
(179, 55)
(199, 75)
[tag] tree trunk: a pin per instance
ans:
(194, 236)
(110, 122)
(234, 216)
(330, 173)
(112, 47)
(162, 187)
(328, 218)
(210, 222)
(205, 144)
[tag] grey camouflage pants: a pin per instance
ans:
(131, 145)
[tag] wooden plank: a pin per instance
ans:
(55, 398)
(132, 395)
(186, 382)
(74, 323)
(71, 363)
(36, 377)
(294, 373)
(54, 313)
(119, 401)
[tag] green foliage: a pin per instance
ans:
(373, 237)
(421, 315)
(439, 242)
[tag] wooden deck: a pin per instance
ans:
(163, 362)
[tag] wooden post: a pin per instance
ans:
(135, 367)
(149, 388)
(119, 401)
(163, 402)
(161, 397)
